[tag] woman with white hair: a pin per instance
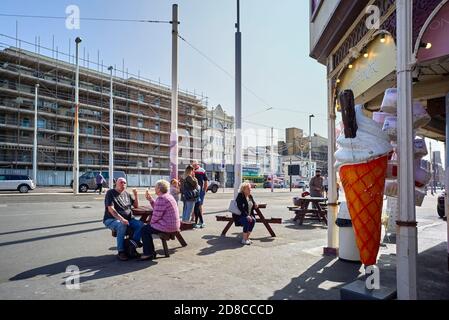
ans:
(247, 205)
(165, 218)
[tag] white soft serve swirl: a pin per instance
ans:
(370, 142)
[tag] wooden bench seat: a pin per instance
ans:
(165, 236)
(271, 220)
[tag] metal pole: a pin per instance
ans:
(271, 160)
(76, 169)
(111, 132)
(431, 169)
(434, 170)
(290, 174)
(238, 105)
(174, 97)
(406, 249)
(446, 184)
(224, 158)
(332, 229)
(35, 136)
(310, 146)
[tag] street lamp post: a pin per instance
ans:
(35, 136)
(310, 145)
(238, 105)
(174, 96)
(76, 169)
(111, 134)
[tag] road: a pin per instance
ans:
(41, 235)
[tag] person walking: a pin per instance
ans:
(99, 180)
(316, 185)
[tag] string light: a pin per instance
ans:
(382, 38)
(366, 54)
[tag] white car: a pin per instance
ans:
(16, 182)
(213, 186)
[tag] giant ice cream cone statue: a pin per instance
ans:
(362, 161)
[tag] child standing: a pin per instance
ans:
(174, 189)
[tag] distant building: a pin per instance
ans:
(218, 146)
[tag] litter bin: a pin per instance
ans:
(348, 250)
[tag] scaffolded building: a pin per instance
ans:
(142, 116)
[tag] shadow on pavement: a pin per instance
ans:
(91, 268)
(51, 227)
(307, 225)
(50, 236)
(314, 284)
(219, 243)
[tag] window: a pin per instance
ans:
(140, 123)
(157, 102)
(211, 140)
(157, 126)
(140, 97)
(139, 136)
(26, 122)
(41, 124)
(90, 130)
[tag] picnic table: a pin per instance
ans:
(259, 218)
(302, 211)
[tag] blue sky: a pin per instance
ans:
(276, 65)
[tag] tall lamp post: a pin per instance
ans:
(174, 96)
(76, 169)
(35, 136)
(111, 134)
(238, 105)
(310, 145)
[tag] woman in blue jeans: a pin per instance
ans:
(189, 187)
(247, 205)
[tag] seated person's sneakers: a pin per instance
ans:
(246, 242)
(203, 225)
(139, 244)
(150, 257)
(122, 256)
(197, 225)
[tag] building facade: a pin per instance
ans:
(141, 120)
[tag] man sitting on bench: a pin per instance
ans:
(165, 218)
(118, 215)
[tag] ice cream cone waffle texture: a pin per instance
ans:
(364, 184)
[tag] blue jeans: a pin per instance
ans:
(201, 198)
(120, 228)
(247, 226)
(187, 210)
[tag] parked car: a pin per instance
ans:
(267, 184)
(87, 180)
(302, 185)
(213, 186)
(440, 205)
(21, 183)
